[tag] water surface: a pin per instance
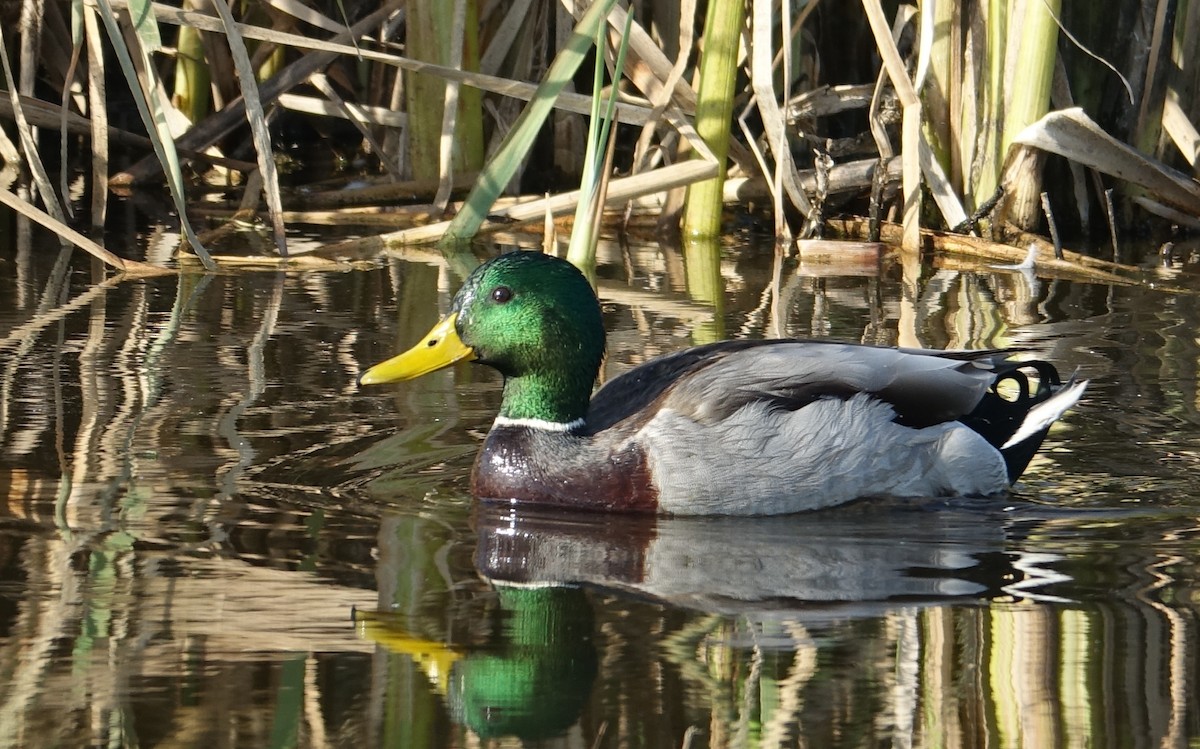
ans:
(212, 537)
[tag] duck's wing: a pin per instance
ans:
(709, 383)
(634, 396)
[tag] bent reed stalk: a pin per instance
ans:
(968, 113)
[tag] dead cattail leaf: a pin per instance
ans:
(1072, 134)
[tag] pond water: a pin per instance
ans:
(214, 538)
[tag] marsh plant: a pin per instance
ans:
(983, 117)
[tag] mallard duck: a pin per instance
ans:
(758, 427)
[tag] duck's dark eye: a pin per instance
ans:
(501, 294)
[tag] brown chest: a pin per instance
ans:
(528, 466)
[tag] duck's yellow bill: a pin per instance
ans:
(436, 658)
(441, 347)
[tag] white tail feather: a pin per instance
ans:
(1047, 412)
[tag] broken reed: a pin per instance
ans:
(991, 67)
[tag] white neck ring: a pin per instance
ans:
(540, 424)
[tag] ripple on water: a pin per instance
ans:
(199, 496)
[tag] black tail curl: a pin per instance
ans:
(997, 417)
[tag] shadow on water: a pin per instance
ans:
(212, 537)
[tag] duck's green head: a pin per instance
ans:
(531, 316)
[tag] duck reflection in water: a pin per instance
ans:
(530, 680)
(534, 675)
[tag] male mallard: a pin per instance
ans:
(730, 428)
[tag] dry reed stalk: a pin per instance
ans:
(911, 126)
(68, 234)
(29, 144)
(619, 192)
(219, 124)
(1072, 134)
(951, 56)
(98, 122)
(1149, 125)
(257, 120)
(762, 80)
(1073, 264)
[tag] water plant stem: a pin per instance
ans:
(1028, 103)
(714, 111)
(503, 165)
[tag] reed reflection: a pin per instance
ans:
(941, 617)
(196, 496)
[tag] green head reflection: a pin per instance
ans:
(538, 674)
(533, 677)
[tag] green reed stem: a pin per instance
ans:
(497, 173)
(430, 25)
(714, 111)
(1033, 69)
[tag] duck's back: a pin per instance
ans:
(781, 426)
(710, 382)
